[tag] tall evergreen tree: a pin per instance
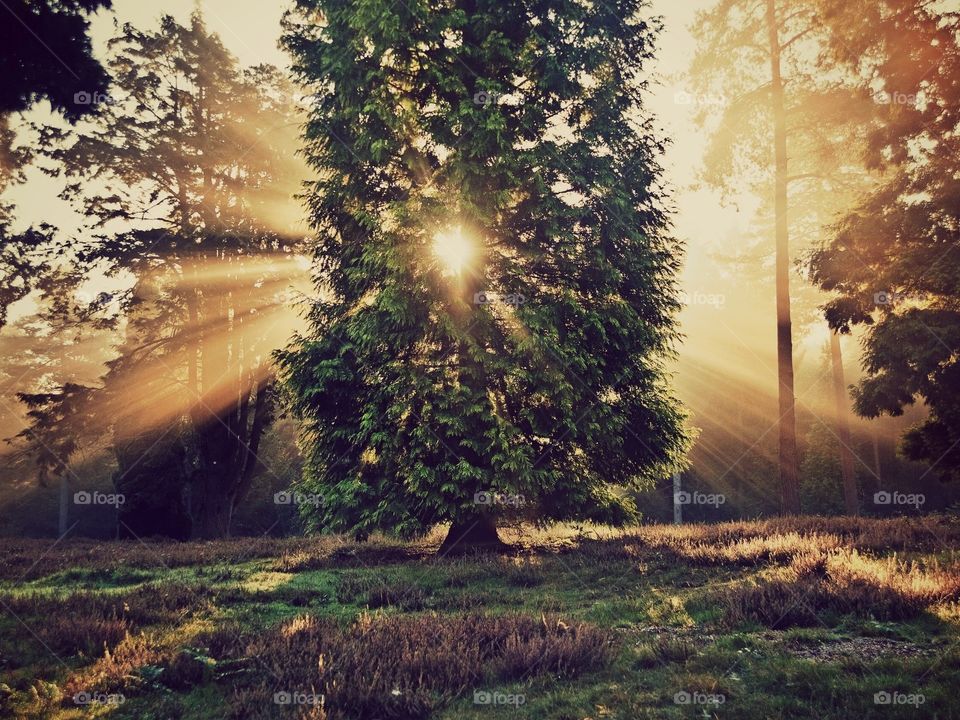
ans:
(495, 278)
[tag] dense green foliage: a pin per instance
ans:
(45, 54)
(521, 126)
(894, 259)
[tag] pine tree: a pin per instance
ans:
(495, 279)
(180, 173)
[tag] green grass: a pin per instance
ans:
(195, 641)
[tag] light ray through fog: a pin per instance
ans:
(729, 336)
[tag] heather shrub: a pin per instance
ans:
(117, 669)
(85, 622)
(842, 582)
(405, 667)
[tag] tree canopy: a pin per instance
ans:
(494, 272)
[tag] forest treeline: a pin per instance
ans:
(427, 274)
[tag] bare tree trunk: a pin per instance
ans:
(876, 459)
(850, 501)
(790, 496)
(472, 534)
(64, 505)
(677, 507)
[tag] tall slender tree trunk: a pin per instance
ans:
(850, 502)
(677, 507)
(790, 496)
(876, 459)
(64, 481)
(64, 505)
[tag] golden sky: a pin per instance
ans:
(729, 323)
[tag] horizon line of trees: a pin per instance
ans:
(413, 399)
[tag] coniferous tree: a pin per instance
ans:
(181, 173)
(495, 278)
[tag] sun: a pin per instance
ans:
(453, 249)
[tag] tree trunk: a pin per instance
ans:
(64, 505)
(472, 534)
(212, 515)
(790, 496)
(876, 459)
(850, 501)
(677, 507)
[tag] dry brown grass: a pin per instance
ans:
(779, 540)
(842, 582)
(86, 622)
(742, 542)
(411, 665)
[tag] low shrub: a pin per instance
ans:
(412, 665)
(842, 582)
(378, 592)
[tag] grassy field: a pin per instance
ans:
(800, 618)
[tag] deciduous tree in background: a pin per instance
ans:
(894, 260)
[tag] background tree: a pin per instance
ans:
(760, 61)
(894, 260)
(45, 54)
(465, 149)
(184, 173)
(63, 354)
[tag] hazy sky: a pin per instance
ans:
(726, 318)
(251, 30)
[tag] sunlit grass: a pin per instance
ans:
(681, 606)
